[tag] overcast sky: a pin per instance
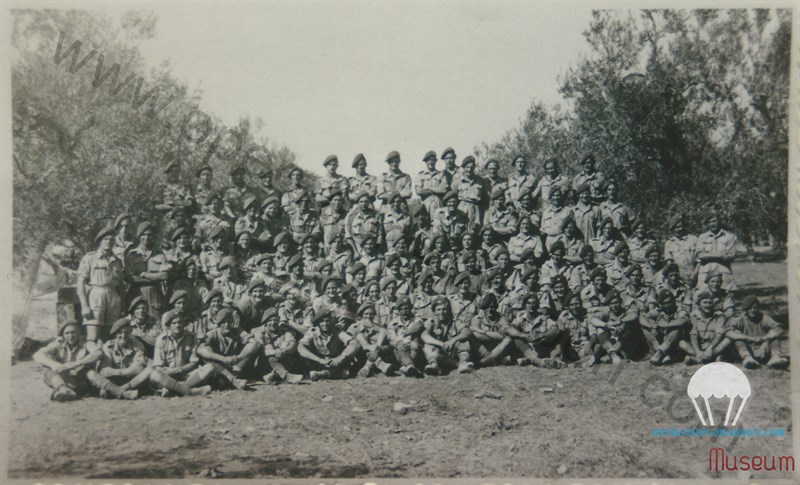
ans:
(346, 78)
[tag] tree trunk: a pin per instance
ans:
(25, 279)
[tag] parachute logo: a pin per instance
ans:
(719, 379)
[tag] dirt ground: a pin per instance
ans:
(498, 422)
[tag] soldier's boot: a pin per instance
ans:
(237, 383)
(63, 394)
(319, 375)
(464, 364)
(109, 390)
(385, 367)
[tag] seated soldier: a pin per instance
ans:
(576, 340)
(403, 332)
(722, 298)
(175, 363)
(143, 327)
(229, 348)
(707, 336)
(214, 302)
(446, 340)
(593, 294)
(66, 361)
(757, 336)
(123, 365)
(486, 328)
(665, 328)
(523, 312)
(328, 350)
(611, 328)
(280, 348)
(373, 342)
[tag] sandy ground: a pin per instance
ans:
(503, 421)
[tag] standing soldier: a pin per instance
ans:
(266, 189)
(501, 217)
(235, 195)
(363, 222)
(100, 276)
(65, 360)
(493, 178)
(716, 249)
(431, 184)
(144, 265)
(331, 182)
(450, 168)
(333, 218)
(593, 179)
(204, 188)
(394, 180)
(361, 181)
(520, 182)
(620, 214)
(554, 214)
(552, 178)
(585, 213)
(639, 242)
(471, 192)
(296, 191)
(175, 194)
(681, 248)
(124, 237)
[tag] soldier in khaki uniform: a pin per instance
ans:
(757, 337)
(280, 348)
(361, 181)
(431, 184)
(328, 350)
(229, 348)
(123, 369)
(66, 361)
(175, 363)
(446, 340)
(100, 275)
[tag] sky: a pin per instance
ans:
(344, 78)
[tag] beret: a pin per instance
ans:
(119, 219)
(177, 295)
(368, 238)
(650, 249)
(169, 316)
(530, 271)
(301, 197)
(573, 296)
(498, 192)
(554, 189)
(636, 223)
(606, 220)
(334, 193)
(386, 281)
(171, 165)
(307, 237)
(66, 323)
(330, 159)
(295, 169)
(448, 151)
(224, 314)
(144, 226)
(609, 183)
(105, 231)
(466, 256)
(663, 295)
(225, 262)
(364, 307)
(712, 274)
(391, 258)
(322, 315)
(202, 169)
(237, 169)
(358, 266)
(324, 263)
(449, 195)
(670, 268)
(632, 269)
(490, 161)
(214, 292)
(392, 155)
(433, 254)
(423, 275)
(588, 158)
(358, 158)
(265, 173)
(269, 314)
(119, 325)
(261, 258)
(748, 301)
(586, 249)
(559, 278)
(519, 301)
(368, 285)
(403, 301)
(674, 221)
(488, 301)
(328, 280)
(581, 188)
(518, 158)
(463, 276)
(218, 230)
(557, 246)
(566, 222)
(181, 231)
(467, 160)
(395, 195)
(243, 230)
(497, 251)
(438, 301)
(211, 197)
(493, 272)
(429, 155)
(190, 261)
(361, 194)
(439, 236)
(270, 200)
(610, 296)
(710, 217)
(255, 284)
(618, 248)
(703, 295)
(248, 201)
(294, 261)
(598, 272)
(281, 238)
(418, 209)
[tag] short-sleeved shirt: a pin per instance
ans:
(681, 250)
(577, 329)
(100, 270)
(368, 183)
(620, 214)
(289, 199)
(706, 328)
(483, 324)
(172, 353)
(519, 185)
(744, 325)
(399, 182)
(361, 224)
(226, 345)
(172, 194)
(325, 345)
(427, 179)
(59, 351)
(552, 218)
(282, 339)
(443, 330)
(234, 196)
(723, 242)
(117, 357)
(449, 223)
(595, 181)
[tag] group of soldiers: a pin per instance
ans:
(360, 277)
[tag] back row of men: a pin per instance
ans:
(284, 290)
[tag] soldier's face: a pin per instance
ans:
(569, 229)
(599, 281)
(397, 204)
(525, 226)
(533, 280)
(177, 327)
(273, 324)
(492, 169)
(270, 211)
(498, 281)
(574, 306)
(325, 271)
(713, 224)
(244, 240)
(502, 260)
(431, 164)
(146, 239)
(623, 256)
(205, 177)
(608, 231)
(71, 334)
(615, 305)
(395, 266)
(264, 266)
(466, 241)
(283, 247)
(519, 164)
(452, 203)
(182, 241)
(332, 290)
(360, 277)
(668, 305)
(370, 248)
(405, 311)
(588, 166)
(394, 164)
(450, 159)
(374, 292)
(754, 312)
(140, 311)
(715, 283)
(674, 278)
(641, 232)
(390, 289)
(706, 305)
(228, 325)
(612, 192)
(584, 197)
(652, 258)
(636, 278)
(469, 169)
(441, 312)
(588, 257)
(253, 211)
(123, 335)
(216, 205)
(465, 285)
(296, 177)
(363, 203)
(326, 325)
(472, 264)
(332, 167)
(215, 304)
(124, 227)
(678, 228)
(336, 201)
(557, 198)
(427, 285)
(558, 255)
(258, 293)
(551, 169)
(107, 243)
(559, 289)
(298, 270)
(361, 166)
